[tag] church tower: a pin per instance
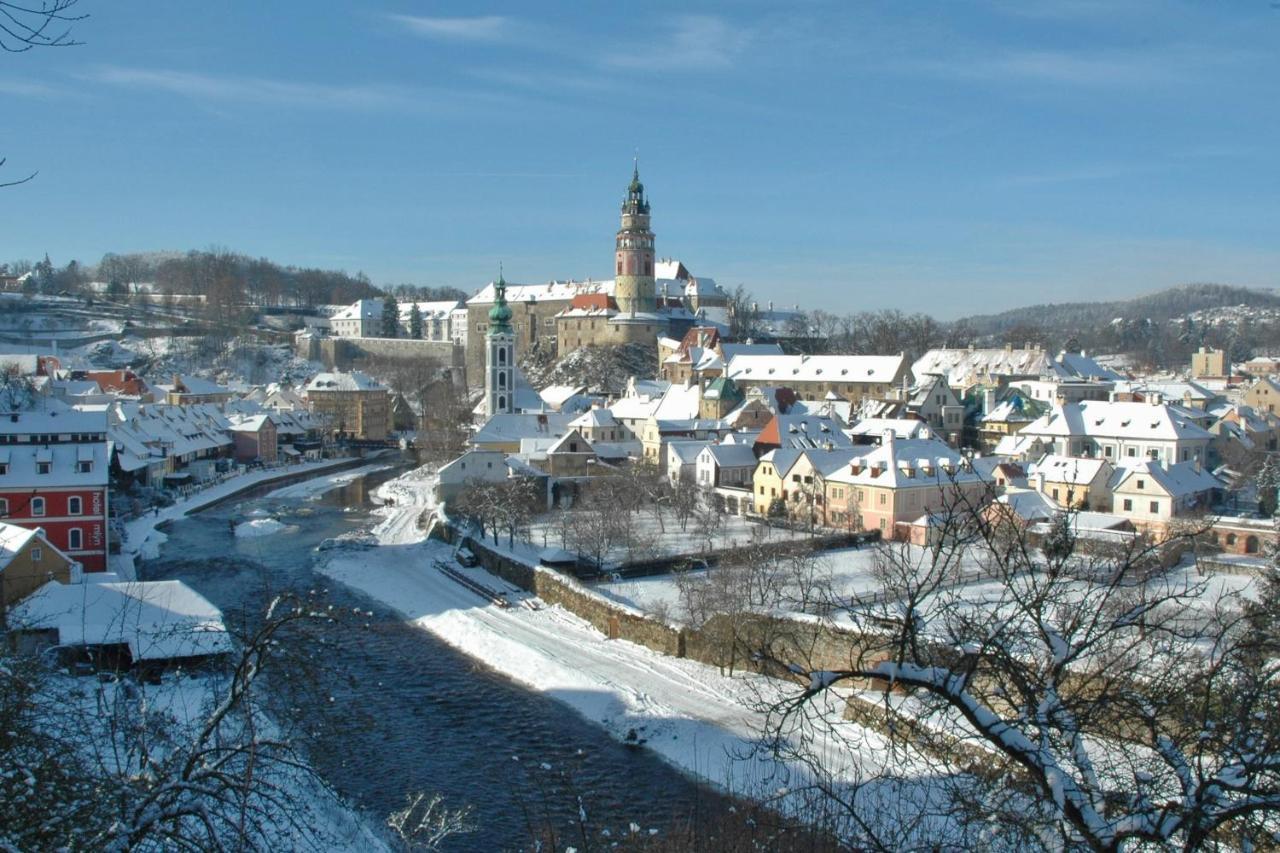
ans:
(500, 356)
(634, 290)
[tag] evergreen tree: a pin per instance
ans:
(390, 316)
(415, 323)
(1268, 483)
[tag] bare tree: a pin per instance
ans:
(1087, 699)
(26, 25)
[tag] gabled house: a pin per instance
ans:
(1153, 495)
(1073, 482)
(28, 560)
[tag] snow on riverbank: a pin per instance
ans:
(140, 532)
(312, 489)
(684, 711)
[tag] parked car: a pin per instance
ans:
(466, 558)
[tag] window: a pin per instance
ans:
(75, 539)
(1055, 494)
(502, 355)
(37, 506)
(1155, 506)
(1106, 451)
(4, 506)
(883, 498)
(1128, 504)
(74, 505)
(84, 466)
(1142, 484)
(37, 554)
(4, 468)
(43, 467)
(1131, 451)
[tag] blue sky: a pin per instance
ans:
(949, 157)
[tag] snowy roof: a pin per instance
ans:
(594, 418)
(553, 290)
(687, 450)
(1027, 504)
(194, 385)
(248, 423)
(439, 310)
(1119, 420)
(678, 403)
(1180, 480)
(1173, 390)
(361, 309)
(60, 420)
(906, 463)
(13, 539)
(902, 427)
(880, 369)
(801, 431)
(147, 435)
(956, 364)
(555, 396)
(158, 620)
(1077, 365)
(1076, 470)
(730, 455)
(24, 461)
(339, 381)
(506, 428)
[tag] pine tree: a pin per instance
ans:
(390, 316)
(415, 323)
(1268, 483)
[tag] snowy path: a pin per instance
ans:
(685, 711)
(140, 533)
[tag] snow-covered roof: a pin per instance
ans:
(906, 463)
(195, 386)
(902, 427)
(1027, 504)
(158, 620)
(14, 539)
(340, 381)
(507, 428)
(782, 369)
(678, 403)
(61, 421)
(957, 364)
(1111, 419)
(144, 435)
(687, 450)
(552, 290)
(1180, 480)
(594, 418)
(730, 455)
(1076, 470)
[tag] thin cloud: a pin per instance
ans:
(258, 90)
(482, 28)
(29, 89)
(691, 42)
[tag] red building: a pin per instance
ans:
(54, 467)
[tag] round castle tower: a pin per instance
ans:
(634, 290)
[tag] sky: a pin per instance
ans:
(949, 157)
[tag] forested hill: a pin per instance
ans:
(1076, 318)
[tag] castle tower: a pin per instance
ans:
(633, 259)
(500, 356)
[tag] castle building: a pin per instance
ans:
(500, 356)
(647, 299)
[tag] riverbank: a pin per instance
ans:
(142, 534)
(706, 724)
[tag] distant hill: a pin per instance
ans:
(1076, 318)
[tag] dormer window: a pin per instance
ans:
(84, 467)
(44, 467)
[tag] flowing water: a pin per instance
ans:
(415, 714)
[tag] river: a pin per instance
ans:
(412, 713)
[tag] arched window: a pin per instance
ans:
(502, 403)
(75, 539)
(502, 355)
(502, 380)
(1251, 545)
(74, 505)
(1231, 539)
(37, 506)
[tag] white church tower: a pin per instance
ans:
(500, 356)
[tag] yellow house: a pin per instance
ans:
(27, 562)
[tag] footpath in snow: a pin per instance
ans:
(142, 538)
(684, 711)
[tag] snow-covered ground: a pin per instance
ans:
(313, 488)
(323, 821)
(141, 533)
(688, 713)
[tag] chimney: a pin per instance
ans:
(1008, 347)
(855, 467)
(1040, 482)
(988, 400)
(888, 436)
(770, 305)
